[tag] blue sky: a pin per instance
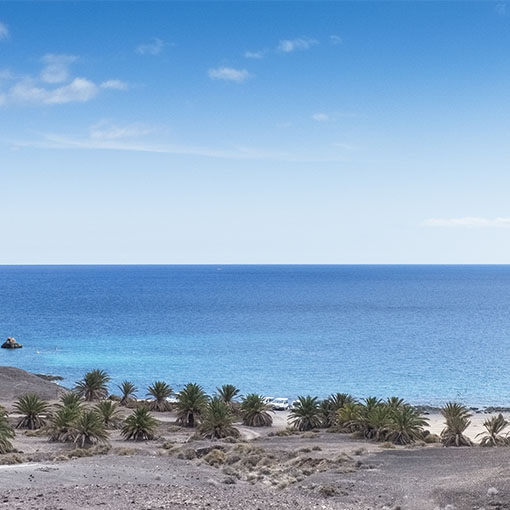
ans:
(255, 132)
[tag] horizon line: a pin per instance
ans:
(84, 264)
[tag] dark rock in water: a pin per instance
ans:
(48, 377)
(11, 343)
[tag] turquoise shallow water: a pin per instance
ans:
(426, 333)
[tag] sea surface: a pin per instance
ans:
(425, 333)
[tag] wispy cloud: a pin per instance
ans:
(4, 31)
(108, 136)
(301, 43)
(155, 47)
(467, 222)
(500, 9)
(41, 89)
(106, 130)
(335, 39)
(229, 74)
(56, 68)
(257, 55)
(321, 117)
(114, 84)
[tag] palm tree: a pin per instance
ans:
(109, 413)
(406, 425)
(218, 420)
(227, 393)
(349, 417)
(70, 399)
(376, 420)
(128, 390)
(61, 427)
(330, 406)
(254, 411)
(6, 433)
(31, 407)
(89, 429)
(305, 414)
(326, 413)
(94, 385)
(160, 391)
(191, 404)
(456, 421)
(492, 434)
(140, 425)
(395, 402)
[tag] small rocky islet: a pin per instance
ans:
(11, 343)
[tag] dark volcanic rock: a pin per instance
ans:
(11, 343)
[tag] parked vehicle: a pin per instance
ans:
(268, 400)
(280, 404)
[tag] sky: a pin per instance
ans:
(254, 132)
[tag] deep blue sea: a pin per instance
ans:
(425, 333)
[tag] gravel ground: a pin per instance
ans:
(430, 478)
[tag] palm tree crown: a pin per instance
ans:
(255, 412)
(160, 391)
(94, 385)
(31, 407)
(456, 422)
(218, 420)
(305, 414)
(140, 425)
(191, 404)
(6, 433)
(128, 391)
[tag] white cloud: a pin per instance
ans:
(153, 48)
(254, 54)
(4, 31)
(56, 68)
(467, 222)
(114, 84)
(301, 43)
(229, 74)
(335, 39)
(42, 89)
(27, 92)
(105, 130)
(321, 117)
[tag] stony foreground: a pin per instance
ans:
(422, 479)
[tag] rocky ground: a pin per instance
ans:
(304, 471)
(266, 468)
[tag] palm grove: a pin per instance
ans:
(86, 415)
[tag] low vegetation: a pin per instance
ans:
(255, 412)
(93, 386)
(456, 422)
(140, 425)
(74, 419)
(32, 408)
(6, 433)
(160, 391)
(191, 404)
(218, 420)
(305, 415)
(127, 392)
(89, 429)
(492, 436)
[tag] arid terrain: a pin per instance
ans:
(268, 467)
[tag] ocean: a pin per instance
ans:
(425, 333)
